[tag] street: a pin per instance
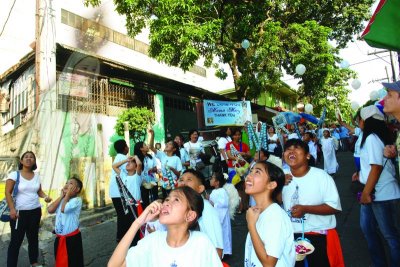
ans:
(99, 237)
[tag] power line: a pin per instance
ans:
(8, 17)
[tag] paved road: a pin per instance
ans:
(99, 238)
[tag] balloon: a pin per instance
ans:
(153, 17)
(356, 84)
(245, 44)
(354, 105)
(382, 92)
(374, 95)
(308, 108)
(344, 64)
(300, 69)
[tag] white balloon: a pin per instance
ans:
(300, 69)
(354, 105)
(153, 17)
(382, 92)
(308, 108)
(344, 64)
(356, 84)
(374, 95)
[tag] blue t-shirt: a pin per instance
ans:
(344, 133)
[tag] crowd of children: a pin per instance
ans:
(291, 209)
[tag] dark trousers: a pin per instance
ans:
(319, 258)
(148, 195)
(124, 221)
(28, 223)
(74, 250)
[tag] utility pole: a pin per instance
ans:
(391, 63)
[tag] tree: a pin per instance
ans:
(282, 34)
(139, 119)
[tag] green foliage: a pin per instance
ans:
(139, 119)
(282, 34)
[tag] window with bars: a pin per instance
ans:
(81, 93)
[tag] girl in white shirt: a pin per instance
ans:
(171, 165)
(270, 241)
(219, 198)
(178, 246)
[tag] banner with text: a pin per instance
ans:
(226, 112)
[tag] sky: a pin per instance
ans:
(18, 34)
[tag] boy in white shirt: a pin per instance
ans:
(68, 249)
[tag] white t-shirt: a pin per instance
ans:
(148, 164)
(272, 146)
(27, 196)
(184, 157)
(170, 161)
(220, 198)
(315, 188)
(293, 136)
(312, 149)
(194, 149)
(114, 191)
(133, 183)
(357, 145)
(387, 187)
(276, 232)
(210, 225)
(68, 221)
(153, 250)
(222, 141)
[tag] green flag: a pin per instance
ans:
(383, 30)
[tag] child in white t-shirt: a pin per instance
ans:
(68, 248)
(270, 241)
(131, 177)
(219, 198)
(178, 246)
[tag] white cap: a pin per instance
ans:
(371, 111)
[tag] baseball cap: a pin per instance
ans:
(392, 86)
(371, 111)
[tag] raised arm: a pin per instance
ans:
(139, 165)
(151, 141)
(53, 206)
(116, 165)
(118, 257)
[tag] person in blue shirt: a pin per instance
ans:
(68, 249)
(344, 138)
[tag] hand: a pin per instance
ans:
(13, 214)
(47, 199)
(70, 192)
(252, 215)
(150, 213)
(298, 211)
(365, 198)
(288, 178)
(389, 151)
(355, 177)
